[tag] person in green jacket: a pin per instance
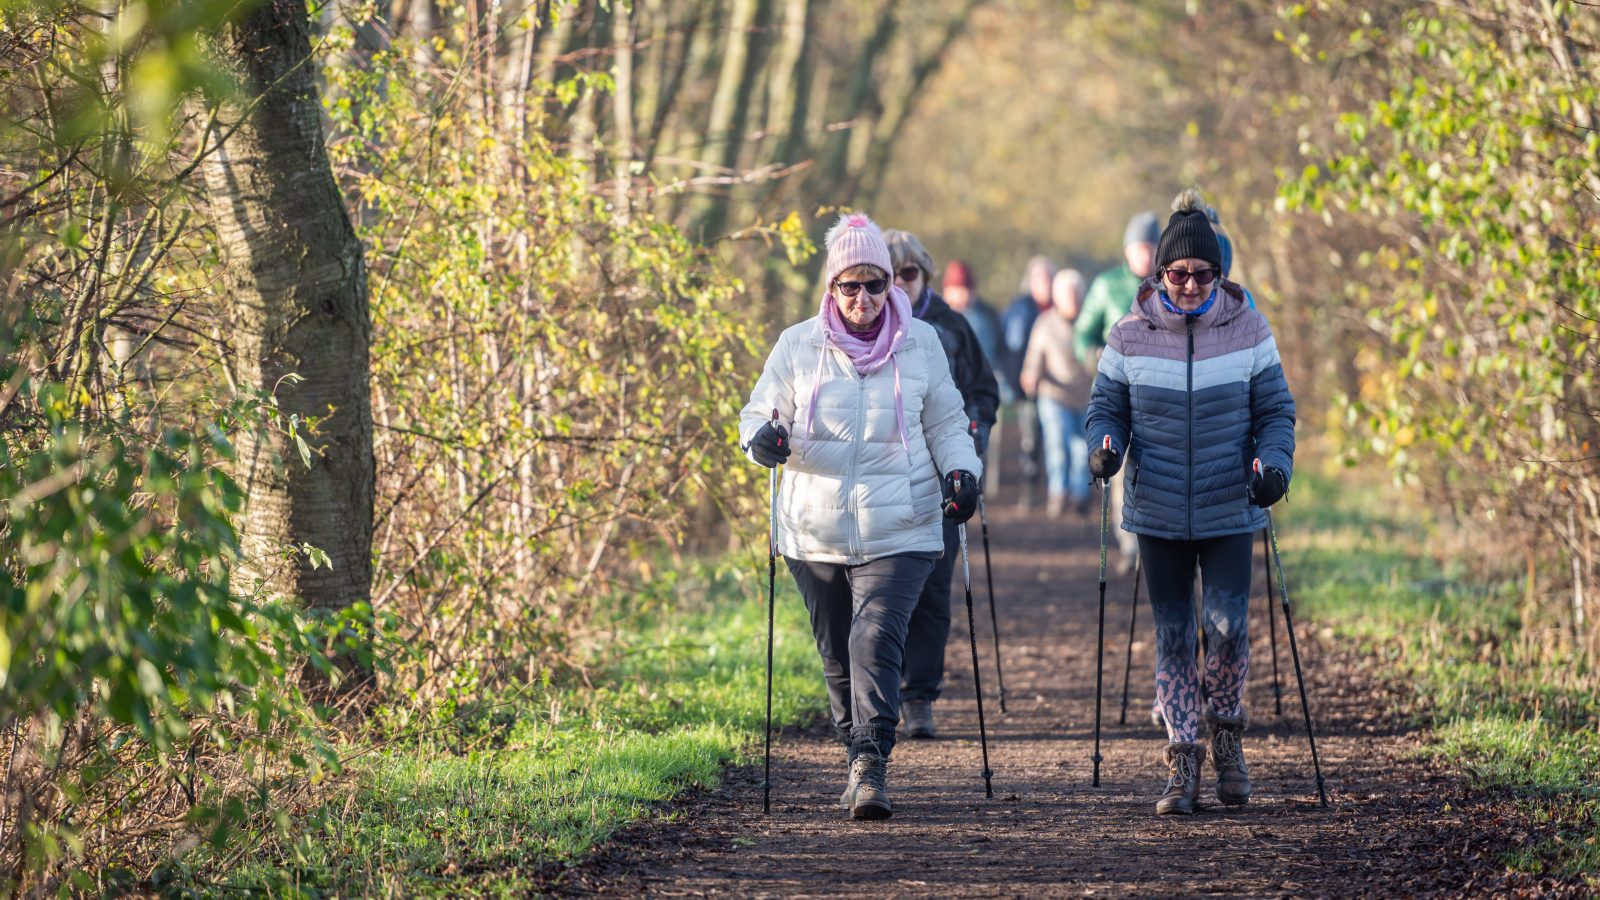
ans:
(1111, 295)
(1108, 300)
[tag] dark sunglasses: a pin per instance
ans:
(1202, 277)
(909, 274)
(851, 288)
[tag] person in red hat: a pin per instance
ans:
(960, 290)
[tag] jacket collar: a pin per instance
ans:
(815, 339)
(936, 305)
(1229, 304)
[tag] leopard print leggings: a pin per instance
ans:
(1169, 568)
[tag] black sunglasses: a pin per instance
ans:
(909, 274)
(851, 288)
(1202, 277)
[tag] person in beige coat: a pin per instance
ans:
(858, 405)
(1060, 384)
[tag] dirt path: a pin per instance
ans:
(1393, 826)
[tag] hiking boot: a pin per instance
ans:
(867, 795)
(1183, 784)
(917, 719)
(1227, 757)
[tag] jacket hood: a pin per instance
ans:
(1231, 301)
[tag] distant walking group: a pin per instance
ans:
(1160, 381)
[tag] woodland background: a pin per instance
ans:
(357, 356)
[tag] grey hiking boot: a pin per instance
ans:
(867, 795)
(917, 719)
(1227, 757)
(1183, 784)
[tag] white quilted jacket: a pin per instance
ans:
(852, 491)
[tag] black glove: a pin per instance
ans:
(1104, 463)
(980, 438)
(770, 446)
(1267, 486)
(960, 496)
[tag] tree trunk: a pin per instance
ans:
(297, 289)
(724, 127)
(790, 86)
(887, 129)
(833, 169)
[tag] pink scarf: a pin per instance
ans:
(868, 356)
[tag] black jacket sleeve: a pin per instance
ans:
(980, 392)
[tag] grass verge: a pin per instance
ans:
(1505, 702)
(682, 694)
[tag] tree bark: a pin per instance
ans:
(887, 130)
(296, 282)
(833, 169)
(790, 86)
(729, 105)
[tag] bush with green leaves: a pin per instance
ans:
(555, 377)
(1472, 159)
(146, 703)
(138, 690)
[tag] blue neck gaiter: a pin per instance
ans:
(1197, 311)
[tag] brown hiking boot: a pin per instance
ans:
(1183, 785)
(867, 795)
(917, 719)
(1227, 757)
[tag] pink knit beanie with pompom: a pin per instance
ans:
(855, 240)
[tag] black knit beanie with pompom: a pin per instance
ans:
(1189, 234)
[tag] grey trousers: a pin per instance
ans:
(929, 629)
(859, 616)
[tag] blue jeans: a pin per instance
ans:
(1066, 449)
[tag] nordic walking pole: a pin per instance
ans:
(1127, 667)
(772, 591)
(977, 676)
(988, 572)
(994, 621)
(1294, 650)
(1100, 648)
(1272, 630)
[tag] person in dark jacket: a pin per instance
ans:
(929, 630)
(960, 290)
(1190, 392)
(1016, 327)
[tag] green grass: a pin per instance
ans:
(1505, 704)
(680, 693)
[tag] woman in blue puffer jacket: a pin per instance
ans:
(1190, 391)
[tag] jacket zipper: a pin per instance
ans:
(1190, 441)
(855, 465)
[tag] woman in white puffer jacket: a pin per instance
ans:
(865, 390)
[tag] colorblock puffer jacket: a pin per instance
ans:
(1190, 402)
(852, 490)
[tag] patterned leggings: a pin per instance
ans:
(1169, 568)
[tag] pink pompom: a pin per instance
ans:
(858, 220)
